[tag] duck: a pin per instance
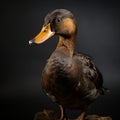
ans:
(70, 79)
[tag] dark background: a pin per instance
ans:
(21, 65)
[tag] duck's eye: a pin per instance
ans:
(58, 20)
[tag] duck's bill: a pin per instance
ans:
(44, 35)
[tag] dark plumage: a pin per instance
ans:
(71, 80)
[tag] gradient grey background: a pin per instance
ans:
(21, 65)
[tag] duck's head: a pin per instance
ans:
(60, 22)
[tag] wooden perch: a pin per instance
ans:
(51, 115)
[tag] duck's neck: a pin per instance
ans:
(67, 45)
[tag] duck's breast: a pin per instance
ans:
(59, 76)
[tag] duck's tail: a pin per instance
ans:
(104, 90)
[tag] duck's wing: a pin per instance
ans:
(90, 71)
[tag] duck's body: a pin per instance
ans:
(71, 80)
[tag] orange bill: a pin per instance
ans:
(44, 35)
